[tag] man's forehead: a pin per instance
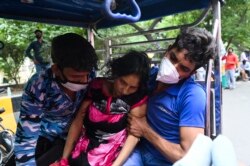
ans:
(38, 33)
(176, 50)
(184, 53)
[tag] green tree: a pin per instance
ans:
(235, 24)
(12, 57)
(17, 35)
(140, 27)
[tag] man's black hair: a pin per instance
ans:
(199, 43)
(38, 30)
(230, 48)
(244, 62)
(73, 51)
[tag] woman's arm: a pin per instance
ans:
(75, 130)
(131, 140)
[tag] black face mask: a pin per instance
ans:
(65, 80)
(38, 36)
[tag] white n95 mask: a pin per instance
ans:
(167, 72)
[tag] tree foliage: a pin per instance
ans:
(18, 34)
(235, 24)
(140, 27)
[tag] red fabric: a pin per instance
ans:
(62, 162)
(231, 61)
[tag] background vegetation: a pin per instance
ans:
(16, 35)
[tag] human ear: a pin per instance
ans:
(55, 69)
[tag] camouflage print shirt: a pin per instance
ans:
(45, 111)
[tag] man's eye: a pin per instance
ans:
(173, 58)
(184, 69)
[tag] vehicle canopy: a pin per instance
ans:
(85, 13)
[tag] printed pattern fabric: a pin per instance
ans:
(105, 125)
(45, 111)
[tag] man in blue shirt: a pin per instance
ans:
(50, 100)
(176, 109)
(37, 51)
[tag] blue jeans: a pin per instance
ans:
(142, 157)
(231, 78)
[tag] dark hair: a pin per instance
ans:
(133, 62)
(199, 43)
(38, 30)
(230, 48)
(244, 62)
(72, 50)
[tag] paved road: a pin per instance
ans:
(236, 119)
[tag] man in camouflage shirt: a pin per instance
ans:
(51, 99)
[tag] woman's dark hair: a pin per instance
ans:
(199, 43)
(72, 50)
(133, 62)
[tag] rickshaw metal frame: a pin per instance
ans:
(212, 126)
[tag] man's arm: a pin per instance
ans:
(173, 152)
(131, 140)
(28, 126)
(28, 51)
(236, 61)
(224, 57)
(191, 122)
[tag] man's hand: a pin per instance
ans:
(137, 125)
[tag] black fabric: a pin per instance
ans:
(48, 152)
(11, 161)
(81, 160)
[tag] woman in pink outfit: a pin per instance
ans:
(104, 140)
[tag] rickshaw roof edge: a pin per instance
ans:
(85, 13)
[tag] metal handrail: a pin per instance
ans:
(141, 43)
(195, 23)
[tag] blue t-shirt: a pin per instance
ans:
(181, 105)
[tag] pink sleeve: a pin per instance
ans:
(141, 102)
